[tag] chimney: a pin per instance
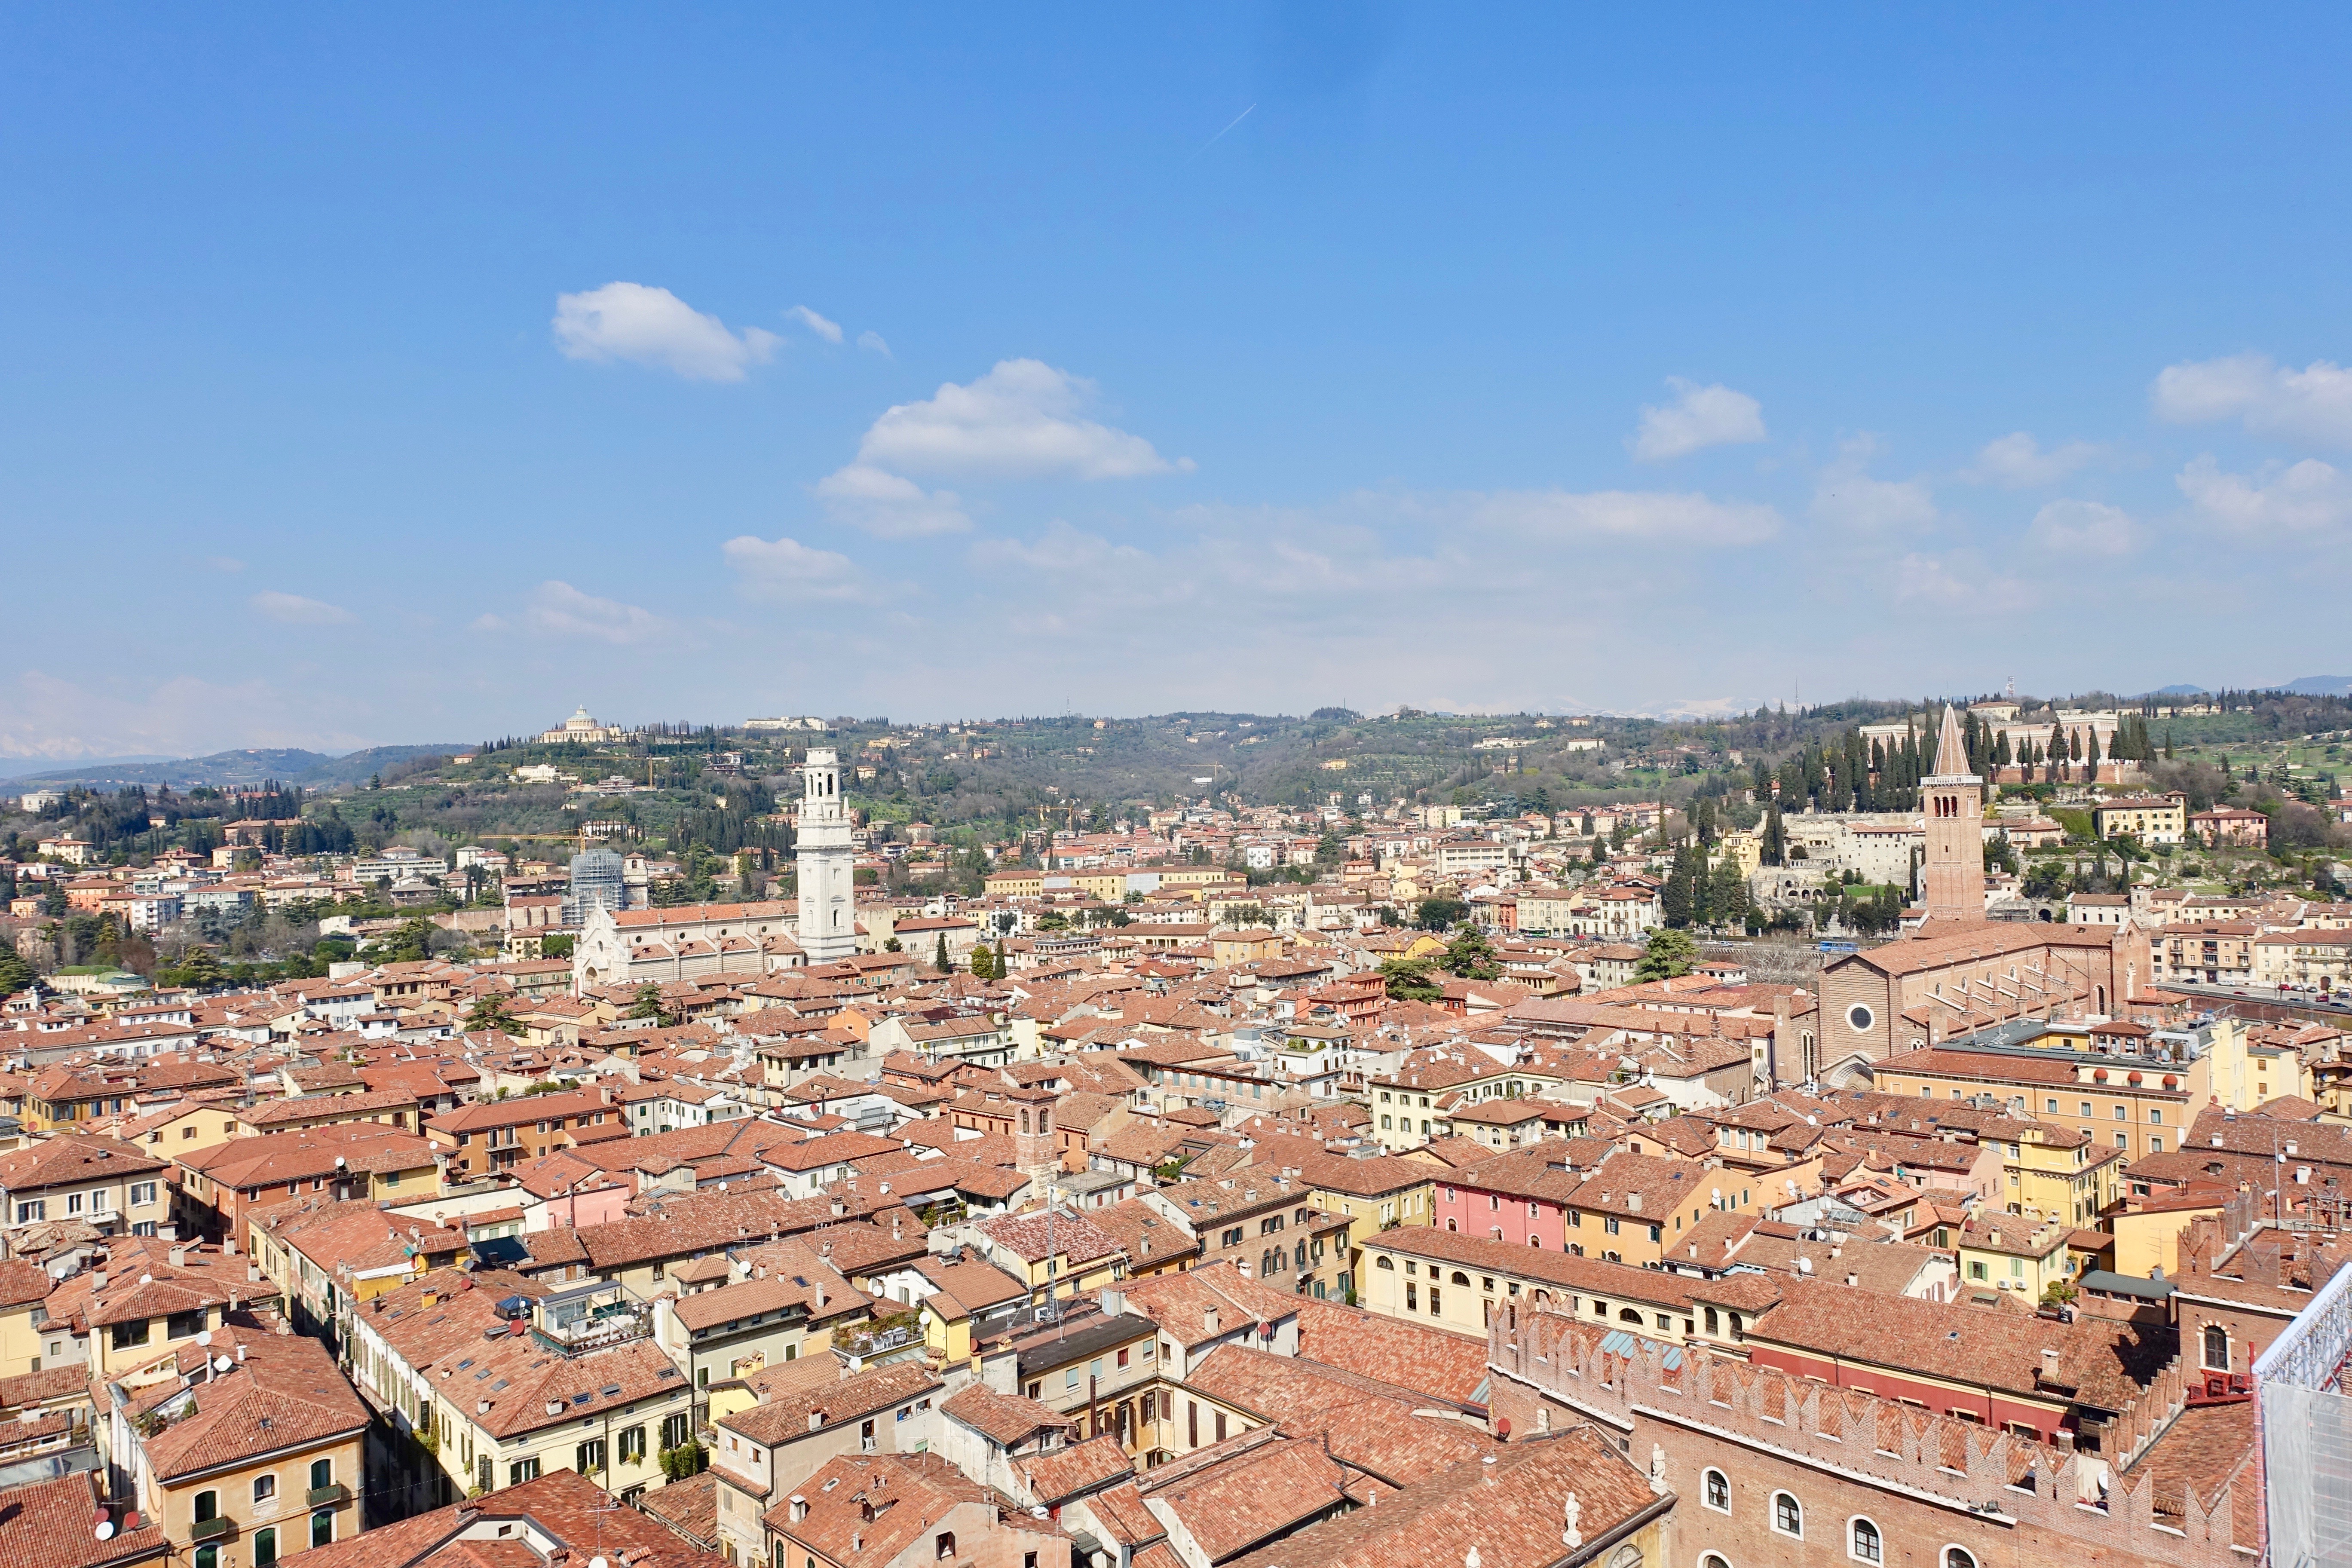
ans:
(97, 1280)
(816, 1420)
(1852, 1280)
(1208, 1320)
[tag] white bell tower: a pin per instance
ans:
(823, 863)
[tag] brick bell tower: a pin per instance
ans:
(1953, 800)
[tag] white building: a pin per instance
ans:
(824, 863)
(583, 729)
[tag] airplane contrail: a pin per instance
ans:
(1220, 136)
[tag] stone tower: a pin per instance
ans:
(824, 865)
(1953, 800)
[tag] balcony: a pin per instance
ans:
(329, 1496)
(210, 1529)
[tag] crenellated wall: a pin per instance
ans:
(1927, 1482)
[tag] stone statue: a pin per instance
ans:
(1574, 1510)
(1658, 1469)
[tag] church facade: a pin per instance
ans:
(1961, 972)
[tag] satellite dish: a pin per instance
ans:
(222, 1363)
(105, 1531)
(205, 1338)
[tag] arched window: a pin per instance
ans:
(322, 1528)
(264, 1488)
(1461, 1278)
(207, 1506)
(1712, 1559)
(1863, 1543)
(265, 1547)
(1627, 1315)
(1958, 1557)
(1715, 1490)
(1626, 1556)
(1788, 1517)
(323, 1472)
(2217, 1347)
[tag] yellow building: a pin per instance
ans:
(2058, 1173)
(2123, 1085)
(255, 1464)
(1998, 1251)
(24, 1286)
(2148, 1234)
(964, 1298)
(1744, 849)
(2151, 819)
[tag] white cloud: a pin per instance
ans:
(653, 326)
(872, 341)
(2307, 497)
(829, 330)
(2082, 528)
(1845, 494)
(559, 609)
(890, 506)
(297, 611)
(787, 570)
(44, 716)
(1699, 417)
(1932, 580)
(1024, 419)
(1685, 517)
(2016, 462)
(2313, 404)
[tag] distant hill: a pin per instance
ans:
(226, 770)
(2177, 691)
(29, 767)
(2320, 685)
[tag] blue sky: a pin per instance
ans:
(418, 375)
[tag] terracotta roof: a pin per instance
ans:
(2104, 1364)
(1088, 1467)
(690, 1508)
(1508, 1512)
(48, 1525)
(288, 1394)
(566, 1507)
(1411, 1355)
(1004, 1418)
(785, 1415)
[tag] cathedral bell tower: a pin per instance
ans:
(1952, 798)
(823, 864)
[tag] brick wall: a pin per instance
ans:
(1926, 1483)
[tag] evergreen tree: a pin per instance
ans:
(1776, 837)
(2167, 744)
(939, 958)
(1726, 894)
(1666, 955)
(1674, 899)
(2091, 755)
